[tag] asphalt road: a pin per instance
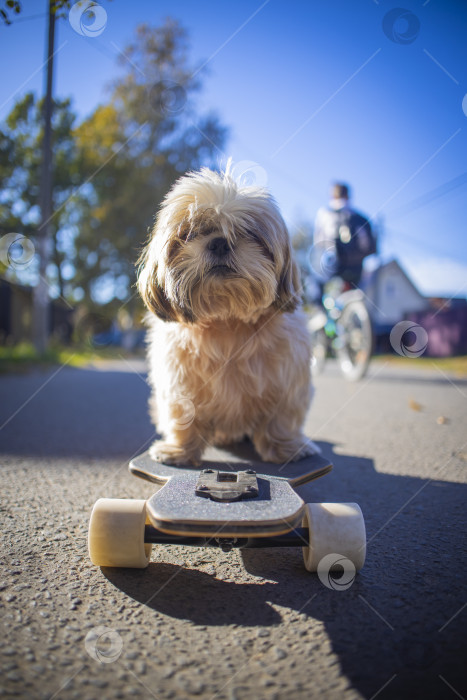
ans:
(238, 626)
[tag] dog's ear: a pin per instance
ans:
(152, 293)
(289, 287)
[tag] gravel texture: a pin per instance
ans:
(245, 625)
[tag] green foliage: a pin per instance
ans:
(23, 357)
(13, 8)
(111, 171)
(132, 149)
(10, 7)
(20, 173)
(301, 236)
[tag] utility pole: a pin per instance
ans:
(41, 290)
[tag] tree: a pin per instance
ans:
(110, 172)
(302, 240)
(55, 8)
(21, 140)
(10, 8)
(132, 149)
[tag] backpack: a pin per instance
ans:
(354, 239)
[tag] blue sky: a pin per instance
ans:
(312, 91)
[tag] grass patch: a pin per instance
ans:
(452, 365)
(24, 357)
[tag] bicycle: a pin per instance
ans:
(342, 326)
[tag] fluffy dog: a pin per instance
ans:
(229, 352)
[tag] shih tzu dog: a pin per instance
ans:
(229, 352)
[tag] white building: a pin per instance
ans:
(391, 295)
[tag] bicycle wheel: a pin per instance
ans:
(319, 348)
(355, 340)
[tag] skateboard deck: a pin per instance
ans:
(232, 500)
(231, 494)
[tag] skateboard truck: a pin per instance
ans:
(257, 505)
(227, 486)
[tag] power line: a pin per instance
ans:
(25, 19)
(429, 197)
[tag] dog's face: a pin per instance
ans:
(218, 251)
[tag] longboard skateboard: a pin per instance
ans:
(231, 500)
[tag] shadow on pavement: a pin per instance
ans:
(191, 594)
(391, 629)
(398, 631)
(76, 413)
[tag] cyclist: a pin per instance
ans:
(339, 320)
(342, 239)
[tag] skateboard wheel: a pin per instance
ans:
(334, 529)
(116, 533)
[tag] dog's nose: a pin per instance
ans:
(219, 247)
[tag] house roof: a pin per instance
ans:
(370, 278)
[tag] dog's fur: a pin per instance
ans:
(229, 352)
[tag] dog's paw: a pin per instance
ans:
(306, 450)
(174, 455)
(291, 451)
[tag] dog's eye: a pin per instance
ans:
(183, 232)
(191, 233)
(254, 236)
(262, 243)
